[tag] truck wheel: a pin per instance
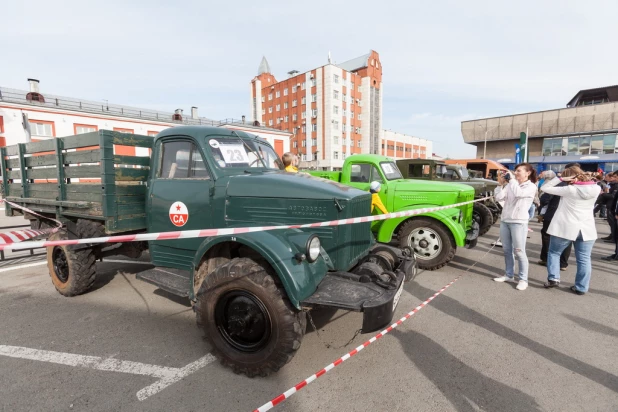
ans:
(72, 272)
(248, 319)
(432, 243)
(483, 216)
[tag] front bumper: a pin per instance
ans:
(351, 291)
(472, 235)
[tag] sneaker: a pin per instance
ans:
(522, 285)
(542, 262)
(551, 284)
(606, 238)
(563, 269)
(578, 292)
(497, 243)
(504, 279)
(610, 257)
(609, 241)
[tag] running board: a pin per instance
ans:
(175, 281)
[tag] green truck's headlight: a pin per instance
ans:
(313, 248)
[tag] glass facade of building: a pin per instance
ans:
(580, 145)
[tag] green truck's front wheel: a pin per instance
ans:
(483, 216)
(432, 243)
(247, 318)
(72, 272)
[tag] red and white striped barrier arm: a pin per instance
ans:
(285, 395)
(188, 234)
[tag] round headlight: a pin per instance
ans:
(313, 248)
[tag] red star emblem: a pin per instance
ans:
(178, 207)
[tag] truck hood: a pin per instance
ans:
(288, 185)
(413, 185)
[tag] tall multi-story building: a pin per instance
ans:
(37, 115)
(332, 111)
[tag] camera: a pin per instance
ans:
(505, 175)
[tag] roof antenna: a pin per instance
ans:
(329, 59)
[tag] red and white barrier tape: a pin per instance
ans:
(285, 395)
(21, 235)
(188, 234)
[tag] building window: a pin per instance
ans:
(314, 112)
(303, 114)
(294, 103)
(336, 94)
(336, 78)
(285, 105)
(278, 120)
(304, 143)
(358, 144)
(263, 99)
(352, 101)
(314, 142)
(314, 127)
(314, 97)
(294, 144)
(304, 129)
(270, 109)
(336, 139)
(335, 125)
(351, 115)
(294, 89)
(302, 86)
(270, 96)
(335, 109)
(344, 98)
(277, 94)
(42, 128)
(345, 113)
(84, 128)
(313, 83)
(263, 111)
(294, 117)
(285, 91)
(336, 155)
(270, 122)
(359, 116)
(303, 100)
(286, 119)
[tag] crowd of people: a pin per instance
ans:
(566, 203)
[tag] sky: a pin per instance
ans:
(443, 61)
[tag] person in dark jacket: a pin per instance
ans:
(612, 217)
(549, 205)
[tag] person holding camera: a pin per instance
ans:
(572, 222)
(517, 191)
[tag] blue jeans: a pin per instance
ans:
(531, 212)
(513, 237)
(583, 249)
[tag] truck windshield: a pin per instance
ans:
(238, 153)
(464, 173)
(390, 170)
(441, 171)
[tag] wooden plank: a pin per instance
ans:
(42, 173)
(82, 171)
(33, 161)
(81, 140)
(42, 146)
(84, 197)
(132, 160)
(42, 195)
(131, 208)
(84, 156)
(13, 174)
(126, 174)
(45, 187)
(77, 205)
(14, 189)
(128, 139)
(12, 150)
(129, 223)
(131, 190)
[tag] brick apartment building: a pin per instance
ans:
(332, 111)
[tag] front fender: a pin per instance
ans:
(299, 279)
(385, 231)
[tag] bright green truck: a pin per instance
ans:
(434, 236)
(250, 291)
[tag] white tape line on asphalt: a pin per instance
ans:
(167, 375)
(27, 265)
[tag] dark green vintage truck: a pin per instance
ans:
(250, 291)
(485, 213)
(433, 236)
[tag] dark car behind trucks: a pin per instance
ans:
(250, 291)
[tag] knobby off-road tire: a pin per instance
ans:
(483, 216)
(73, 271)
(433, 244)
(248, 319)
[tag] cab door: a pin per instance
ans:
(179, 199)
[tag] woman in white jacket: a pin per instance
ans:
(573, 222)
(517, 191)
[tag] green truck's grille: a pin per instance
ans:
(466, 210)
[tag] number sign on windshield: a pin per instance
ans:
(234, 153)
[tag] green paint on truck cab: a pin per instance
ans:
(433, 236)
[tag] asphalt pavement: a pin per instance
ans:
(479, 346)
